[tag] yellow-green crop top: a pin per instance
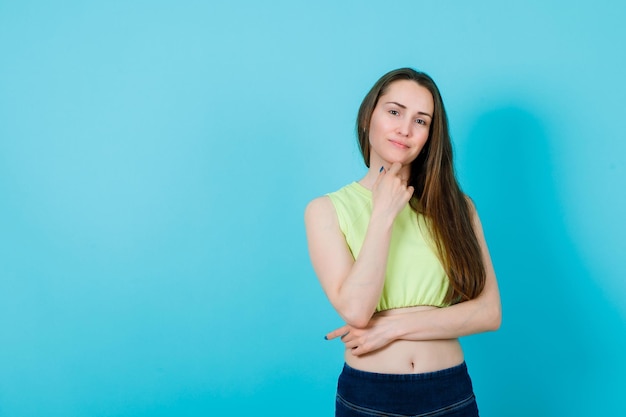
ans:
(414, 275)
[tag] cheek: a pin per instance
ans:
(422, 139)
(377, 123)
(416, 137)
(373, 133)
(423, 135)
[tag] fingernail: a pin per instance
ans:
(381, 169)
(325, 337)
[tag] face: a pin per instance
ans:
(400, 123)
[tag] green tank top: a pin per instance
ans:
(415, 275)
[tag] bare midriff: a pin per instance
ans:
(408, 356)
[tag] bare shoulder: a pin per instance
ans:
(473, 212)
(470, 203)
(322, 203)
(320, 209)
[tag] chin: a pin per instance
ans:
(402, 161)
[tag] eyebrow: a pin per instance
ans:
(404, 107)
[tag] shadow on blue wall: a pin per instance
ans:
(560, 348)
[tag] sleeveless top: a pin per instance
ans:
(415, 275)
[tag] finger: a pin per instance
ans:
(362, 349)
(357, 351)
(350, 345)
(381, 174)
(349, 339)
(395, 168)
(343, 330)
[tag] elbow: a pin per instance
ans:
(495, 318)
(357, 318)
(354, 311)
(359, 322)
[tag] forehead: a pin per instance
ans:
(410, 94)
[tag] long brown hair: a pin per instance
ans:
(437, 193)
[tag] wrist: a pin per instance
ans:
(399, 327)
(381, 221)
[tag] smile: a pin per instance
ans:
(398, 144)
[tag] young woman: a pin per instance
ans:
(402, 258)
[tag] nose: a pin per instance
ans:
(404, 127)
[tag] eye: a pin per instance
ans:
(420, 121)
(394, 112)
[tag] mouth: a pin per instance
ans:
(398, 144)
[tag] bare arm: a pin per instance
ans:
(354, 286)
(478, 315)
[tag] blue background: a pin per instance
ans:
(156, 158)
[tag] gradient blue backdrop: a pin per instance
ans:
(156, 158)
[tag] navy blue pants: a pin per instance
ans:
(447, 392)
